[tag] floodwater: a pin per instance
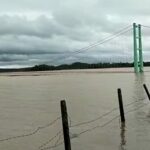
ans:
(30, 110)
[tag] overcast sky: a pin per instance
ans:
(48, 31)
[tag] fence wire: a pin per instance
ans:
(52, 147)
(31, 133)
(102, 116)
(56, 139)
(50, 140)
(108, 122)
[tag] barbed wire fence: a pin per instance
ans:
(57, 138)
(31, 133)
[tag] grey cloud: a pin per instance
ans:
(11, 58)
(34, 32)
(19, 25)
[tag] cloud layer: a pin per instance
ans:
(35, 32)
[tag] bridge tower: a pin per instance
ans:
(138, 53)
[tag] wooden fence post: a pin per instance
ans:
(121, 106)
(146, 90)
(65, 125)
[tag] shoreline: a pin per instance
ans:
(76, 71)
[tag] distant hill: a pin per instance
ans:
(76, 65)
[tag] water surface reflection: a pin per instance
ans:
(122, 137)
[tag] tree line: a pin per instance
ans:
(76, 65)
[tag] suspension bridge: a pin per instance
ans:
(128, 45)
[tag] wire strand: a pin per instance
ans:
(105, 124)
(104, 115)
(107, 39)
(145, 26)
(31, 133)
(50, 140)
(51, 147)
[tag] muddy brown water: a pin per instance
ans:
(30, 101)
